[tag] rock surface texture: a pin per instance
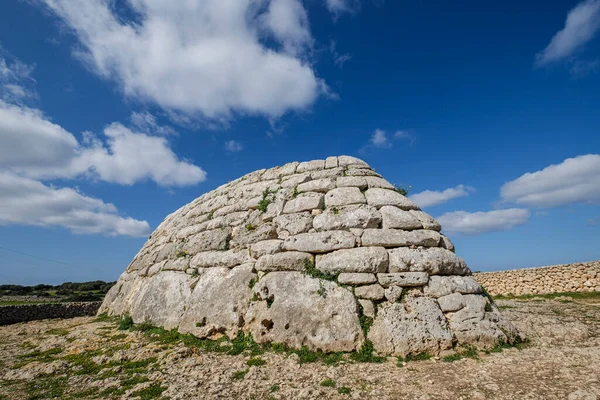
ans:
(324, 254)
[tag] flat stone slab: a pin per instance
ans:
(356, 278)
(320, 242)
(344, 196)
(286, 261)
(433, 260)
(370, 292)
(318, 185)
(444, 285)
(377, 197)
(304, 202)
(406, 279)
(345, 218)
(227, 259)
(396, 218)
(359, 259)
(397, 238)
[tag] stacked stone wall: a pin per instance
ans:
(578, 277)
(31, 312)
(297, 254)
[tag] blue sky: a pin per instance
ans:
(113, 114)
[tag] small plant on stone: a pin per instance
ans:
(322, 291)
(250, 227)
(335, 210)
(252, 282)
(194, 273)
(328, 383)
(295, 194)
(263, 204)
(182, 254)
(312, 271)
(211, 214)
(273, 388)
(402, 189)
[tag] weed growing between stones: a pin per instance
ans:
(125, 323)
(239, 375)
(312, 271)
(263, 204)
(344, 390)
(328, 383)
(402, 189)
(57, 332)
(295, 194)
(365, 353)
(274, 388)
(253, 282)
(182, 254)
(250, 227)
(256, 361)
(468, 352)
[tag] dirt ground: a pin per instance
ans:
(83, 358)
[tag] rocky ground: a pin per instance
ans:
(85, 358)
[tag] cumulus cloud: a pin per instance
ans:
(479, 222)
(338, 7)
(233, 146)
(211, 57)
(430, 198)
(380, 139)
(26, 201)
(16, 83)
(339, 59)
(35, 147)
(146, 122)
(575, 180)
(582, 24)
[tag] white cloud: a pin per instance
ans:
(25, 201)
(430, 198)
(338, 7)
(233, 146)
(581, 68)
(479, 222)
(406, 134)
(575, 180)
(146, 122)
(582, 23)
(16, 83)
(200, 56)
(35, 147)
(338, 58)
(379, 139)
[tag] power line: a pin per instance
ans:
(39, 258)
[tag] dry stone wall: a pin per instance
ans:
(578, 277)
(297, 254)
(31, 312)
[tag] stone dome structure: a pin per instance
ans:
(302, 253)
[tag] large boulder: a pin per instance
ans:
(299, 254)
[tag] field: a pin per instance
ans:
(65, 292)
(86, 358)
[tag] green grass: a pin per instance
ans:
(328, 383)
(239, 375)
(125, 323)
(452, 357)
(312, 271)
(274, 388)
(344, 390)
(153, 391)
(46, 388)
(37, 355)
(574, 295)
(58, 332)
(256, 361)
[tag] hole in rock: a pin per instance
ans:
(287, 326)
(267, 323)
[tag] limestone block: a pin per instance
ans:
(350, 171)
(228, 259)
(359, 259)
(188, 231)
(406, 279)
(396, 238)
(349, 160)
(327, 173)
(399, 328)
(178, 264)
(433, 260)
(396, 218)
(215, 239)
(427, 220)
(451, 302)
(251, 234)
(320, 242)
(299, 306)
(331, 162)
(356, 278)
(294, 223)
(393, 293)
(446, 243)
(351, 181)
(272, 246)
(304, 202)
(318, 185)
(370, 292)
(218, 302)
(286, 261)
(349, 217)
(310, 166)
(344, 196)
(384, 197)
(444, 285)
(278, 172)
(367, 307)
(376, 182)
(294, 180)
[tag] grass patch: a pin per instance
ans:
(274, 388)
(365, 354)
(153, 391)
(328, 383)
(125, 323)
(57, 332)
(344, 390)
(573, 295)
(256, 361)
(414, 357)
(239, 375)
(39, 356)
(44, 388)
(85, 394)
(267, 199)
